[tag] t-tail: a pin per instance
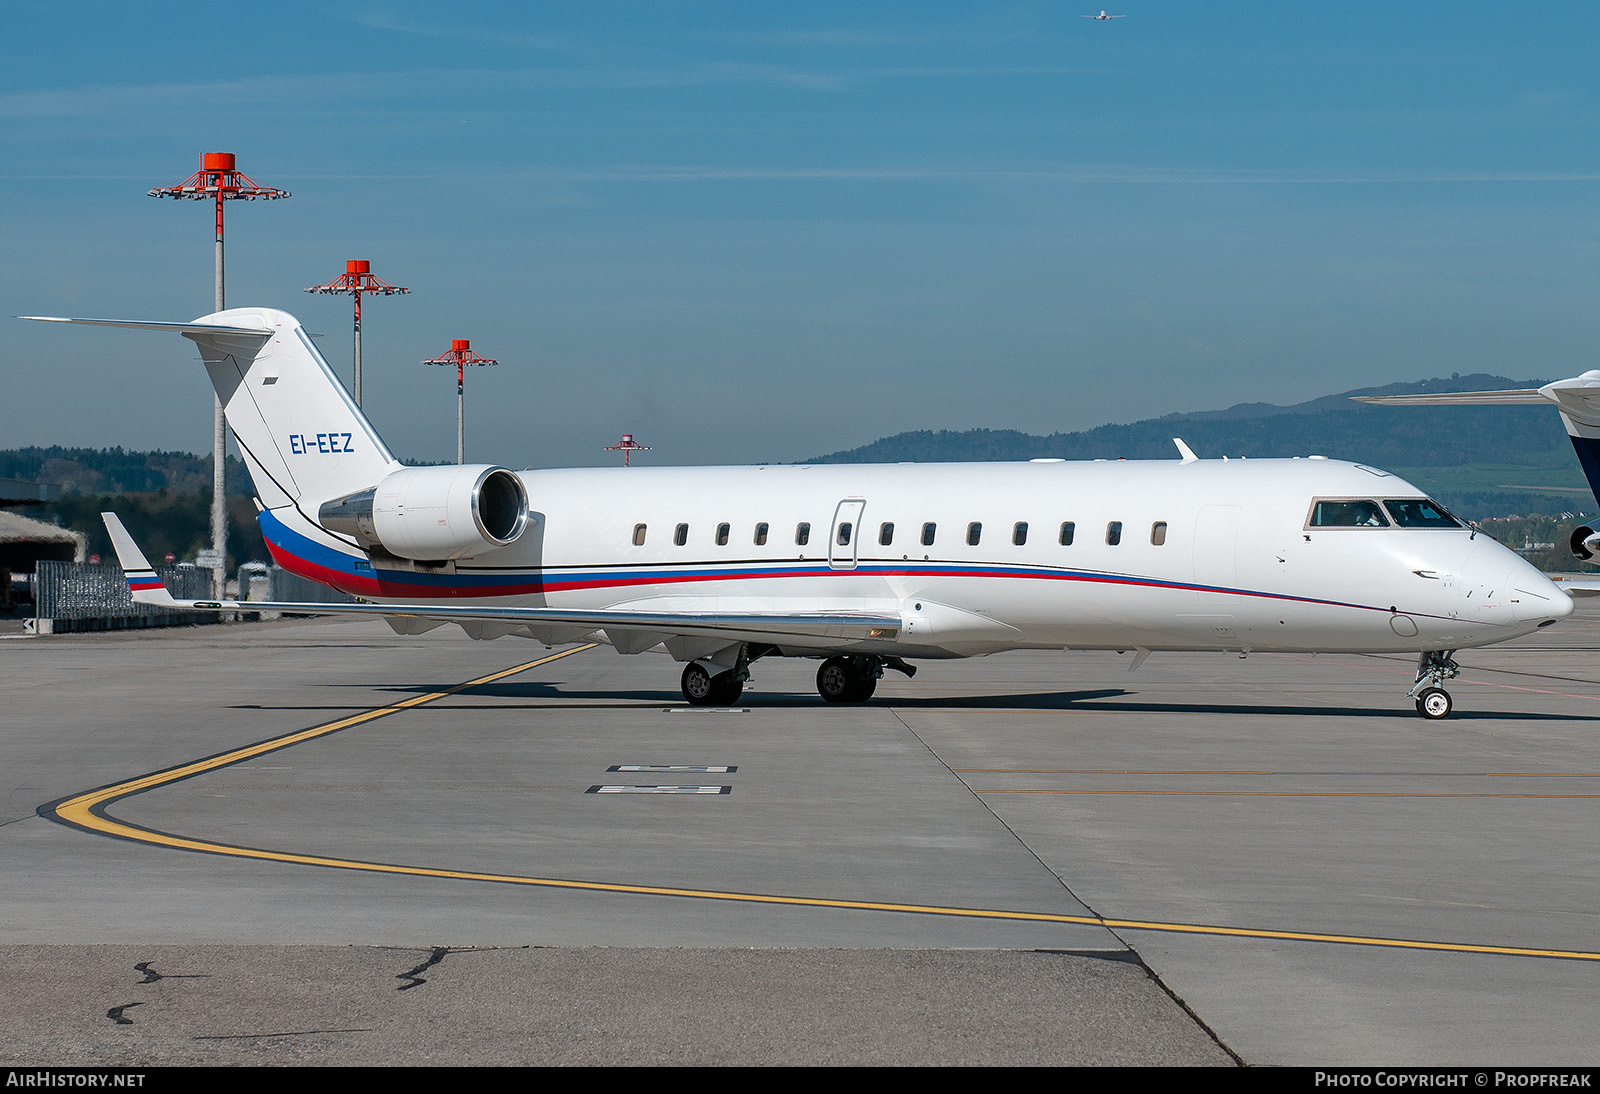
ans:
(334, 501)
(1578, 400)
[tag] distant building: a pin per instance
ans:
(25, 541)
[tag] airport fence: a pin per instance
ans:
(93, 596)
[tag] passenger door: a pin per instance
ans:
(844, 538)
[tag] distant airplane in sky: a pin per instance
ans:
(1104, 16)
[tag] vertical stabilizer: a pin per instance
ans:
(303, 437)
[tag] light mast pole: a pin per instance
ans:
(219, 180)
(460, 355)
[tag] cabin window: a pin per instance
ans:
(638, 535)
(886, 533)
(1114, 533)
(1419, 513)
(1019, 533)
(845, 529)
(974, 533)
(722, 534)
(1158, 533)
(802, 534)
(1357, 513)
(680, 536)
(1069, 529)
(761, 535)
(927, 534)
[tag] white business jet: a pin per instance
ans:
(861, 567)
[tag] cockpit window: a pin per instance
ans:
(1419, 513)
(1346, 513)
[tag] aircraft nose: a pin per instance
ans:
(1535, 598)
(1500, 588)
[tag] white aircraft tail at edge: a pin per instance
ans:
(860, 567)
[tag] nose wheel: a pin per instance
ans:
(1434, 667)
(1433, 703)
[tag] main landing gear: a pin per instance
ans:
(1434, 667)
(846, 679)
(703, 689)
(854, 679)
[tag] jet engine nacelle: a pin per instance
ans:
(1585, 542)
(433, 514)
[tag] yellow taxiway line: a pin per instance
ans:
(1287, 793)
(88, 812)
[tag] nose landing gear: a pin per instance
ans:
(1434, 667)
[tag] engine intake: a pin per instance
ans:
(1585, 542)
(433, 514)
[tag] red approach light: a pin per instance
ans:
(218, 179)
(460, 353)
(356, 281)
(627, 446)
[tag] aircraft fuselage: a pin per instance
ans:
(978, 558)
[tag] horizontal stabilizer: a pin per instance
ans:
(144, 324)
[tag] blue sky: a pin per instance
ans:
(751, 232)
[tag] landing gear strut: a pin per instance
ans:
(1434, 667)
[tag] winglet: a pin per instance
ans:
(1184, 451)
(143, 581)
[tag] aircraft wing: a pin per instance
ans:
(1577, 584)
(635, 626)
(1531, 395)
